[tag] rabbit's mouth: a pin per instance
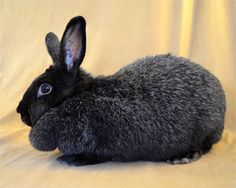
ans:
(26, 119)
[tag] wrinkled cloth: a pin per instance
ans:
(23, 166)
(118, 32)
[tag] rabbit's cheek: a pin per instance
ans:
(43, 137)
(36, 111)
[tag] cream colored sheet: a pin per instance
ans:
(118, 33)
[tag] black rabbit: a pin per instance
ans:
(161, 108)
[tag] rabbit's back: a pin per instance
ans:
(173, 82)
(175, 104)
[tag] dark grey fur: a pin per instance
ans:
(158, 108)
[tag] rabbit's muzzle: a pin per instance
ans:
(24, 114)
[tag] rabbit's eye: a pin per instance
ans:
(44, 89)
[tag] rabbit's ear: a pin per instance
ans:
(73, 44)
(53, 46)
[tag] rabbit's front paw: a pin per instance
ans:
(43, 138)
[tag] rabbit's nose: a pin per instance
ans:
(24, 114)
(18, 109)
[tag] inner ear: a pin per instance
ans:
(73, 44)
(73, 47)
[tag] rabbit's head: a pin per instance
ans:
(58, 82)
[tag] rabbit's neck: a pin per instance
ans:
(83, 81)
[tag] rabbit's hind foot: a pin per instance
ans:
(77, 160)
(187, 159)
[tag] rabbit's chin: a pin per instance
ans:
(35, 121)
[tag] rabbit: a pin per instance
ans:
(159, 108)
